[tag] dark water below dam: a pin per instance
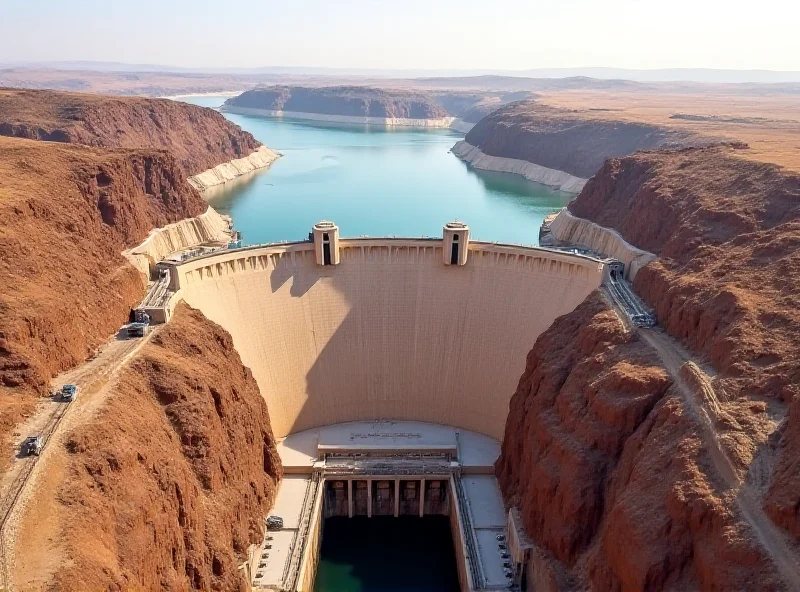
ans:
(383, 554)
(374, 181)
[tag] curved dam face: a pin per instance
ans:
(391, 331)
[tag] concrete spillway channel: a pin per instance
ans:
(385, 469)
(160, 299)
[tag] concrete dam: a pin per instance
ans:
(390, 331)
(387, 366)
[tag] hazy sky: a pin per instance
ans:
(463, 34)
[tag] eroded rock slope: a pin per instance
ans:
(66, 214)
(727, 283)
(170, 483)
(625, 497)
(610, 473)
(573, 142)
(199, 138)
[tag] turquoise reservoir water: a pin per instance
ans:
(374, 181)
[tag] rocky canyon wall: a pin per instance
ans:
(171, 481)
(605, 463)
(199, 138)
(601, 454)
(727, 234)
(66, 214)
(576, 143)
(349, 101)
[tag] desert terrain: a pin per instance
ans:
(640, 459)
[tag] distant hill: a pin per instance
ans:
(707, 75)
(348, 101)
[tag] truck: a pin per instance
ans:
(69, 392)
(32, 446)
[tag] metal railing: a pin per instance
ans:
(470, 539)
(292, 569)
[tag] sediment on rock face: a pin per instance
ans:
(611, 478)
(208, 227)
(564, 140)
(571, 230)
(198, 137)
(66, 214)
(170, 483)
(539, 174)
(462, 126)
(227, 171)
(440, 122)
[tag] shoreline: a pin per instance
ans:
(440, 123)
(462, 126)
(221, 93)
(227, 171)
(533, 172)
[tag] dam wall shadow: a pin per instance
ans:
(389, 333)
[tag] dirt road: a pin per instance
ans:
(50, 420)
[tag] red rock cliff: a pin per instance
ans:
(170, 483)
(727, 283)
(66, 214)
(727, 232)
(198, 137)
(610, 475)
(569, 141)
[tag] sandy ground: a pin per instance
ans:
(31, 553)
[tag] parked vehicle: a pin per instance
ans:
(137, 329)
(69, 392)
(274, 522)
(32, 446)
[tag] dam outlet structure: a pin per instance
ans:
(387, 366)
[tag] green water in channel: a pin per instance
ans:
(374, 181)
(387, 554)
